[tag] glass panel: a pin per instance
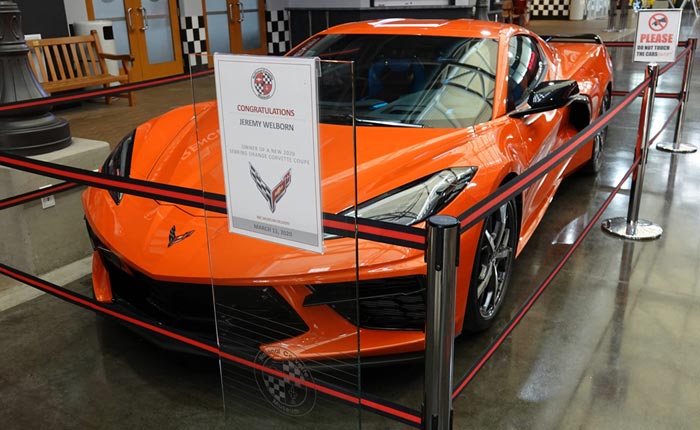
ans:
(415, 81)
(250, 27)
(250, 5)
(391, 280)
(217, 24)
(215, 6)
(121, 37)
(159, 37)
(114, 11)
(525, 70)
(108, 9)
(288, 354)
(157, 7)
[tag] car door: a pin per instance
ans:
(539, 132)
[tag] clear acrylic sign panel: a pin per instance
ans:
(285, 361)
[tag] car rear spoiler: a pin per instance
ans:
(587, 37)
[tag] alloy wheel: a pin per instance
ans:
(495, 256)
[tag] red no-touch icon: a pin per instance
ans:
(658, 21)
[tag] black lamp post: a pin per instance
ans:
(30, 130)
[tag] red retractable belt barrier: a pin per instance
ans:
(382, 407)
(687, 52)
(33, 195)
(491, 349)
(504, 193)
(103, 92)
(411, 237)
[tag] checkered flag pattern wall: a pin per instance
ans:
(194, 40)
(550, 9)
(278, 35)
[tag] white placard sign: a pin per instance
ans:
(657, 35)
(268, 120)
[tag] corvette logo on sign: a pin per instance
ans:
(273, 196)
(263, 83)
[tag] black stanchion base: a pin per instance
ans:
(34, 135)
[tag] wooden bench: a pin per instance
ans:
(70, 63)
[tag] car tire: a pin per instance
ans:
(592, 167)
(492, 267)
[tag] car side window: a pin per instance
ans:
(525, 69)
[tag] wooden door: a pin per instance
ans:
(154, 32)
(148, 30)
(236, 27)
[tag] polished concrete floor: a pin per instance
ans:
(613, 343)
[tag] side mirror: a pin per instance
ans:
(549, 95)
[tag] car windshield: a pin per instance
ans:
(405, 81)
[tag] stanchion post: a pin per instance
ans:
(611, 16)
(442, 257)
(624, 11)
(676, 146)
(632, 227)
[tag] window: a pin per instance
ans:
(525, 69)
(405, 80)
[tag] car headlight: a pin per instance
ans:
(418, 200)
(119, 162)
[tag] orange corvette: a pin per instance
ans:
(445, 113)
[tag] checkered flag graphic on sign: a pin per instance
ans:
(262, 83)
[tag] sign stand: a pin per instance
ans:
(631, 227)
(676, 146)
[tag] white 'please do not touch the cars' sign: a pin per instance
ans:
(657, 35)
(268, 120)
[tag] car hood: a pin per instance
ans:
(387, 157)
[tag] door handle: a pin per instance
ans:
(144, 14)
(230, 12)
(241, 11)
(128, 19)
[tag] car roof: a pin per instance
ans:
(427, 27)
